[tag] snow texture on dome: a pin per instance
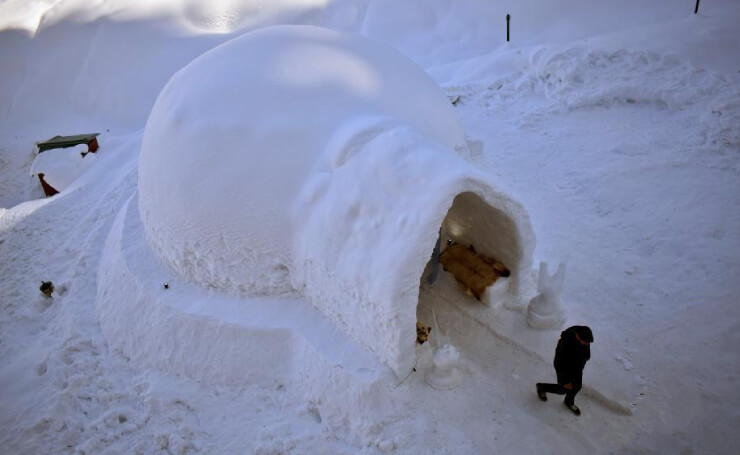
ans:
(234, 136)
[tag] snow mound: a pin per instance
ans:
(61, 167)
(234, 135)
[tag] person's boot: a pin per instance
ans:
(541, 393)
(576, 410)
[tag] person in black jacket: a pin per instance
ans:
(571, 355)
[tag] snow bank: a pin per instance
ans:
(297, 160)
(184, 329)
(220, 339)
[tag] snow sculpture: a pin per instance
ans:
(546, 310)
(299, 161)
(444, 374)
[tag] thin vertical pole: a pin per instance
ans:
(508, 19)
(696, 9)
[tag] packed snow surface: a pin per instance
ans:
(614, 123)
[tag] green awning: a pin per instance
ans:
(66, 141)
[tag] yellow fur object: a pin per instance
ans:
(422, 333)
(473, 272)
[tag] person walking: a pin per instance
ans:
(571, 355)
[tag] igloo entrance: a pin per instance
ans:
(489, 232)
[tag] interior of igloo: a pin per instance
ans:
(470, 221)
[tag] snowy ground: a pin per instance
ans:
(617, 131)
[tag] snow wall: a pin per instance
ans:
(295, 160)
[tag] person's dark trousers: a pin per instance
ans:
(559, 389)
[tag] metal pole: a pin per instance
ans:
(696, 9)
(508, 18)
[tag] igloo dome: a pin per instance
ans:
(234, 135)
(299, 161)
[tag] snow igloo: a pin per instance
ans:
(300, 161)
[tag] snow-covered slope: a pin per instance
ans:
(614, 123)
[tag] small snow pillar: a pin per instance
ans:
(546, 310)
(444, 374)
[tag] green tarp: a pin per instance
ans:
(66, 141)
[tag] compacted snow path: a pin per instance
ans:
(498, 390)
(635, 161)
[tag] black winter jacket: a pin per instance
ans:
(570, 358)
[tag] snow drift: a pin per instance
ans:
(295, 160)
(61, 167)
